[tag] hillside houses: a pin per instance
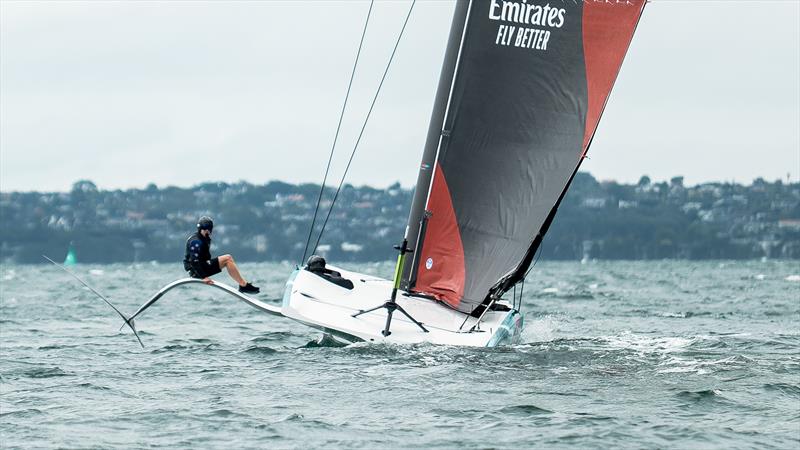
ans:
(604, 220)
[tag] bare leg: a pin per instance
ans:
(226, 261)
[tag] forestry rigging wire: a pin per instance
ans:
(361, 133)
(336, 136)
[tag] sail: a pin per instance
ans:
(522, 90)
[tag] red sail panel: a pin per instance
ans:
(607, 33)
(441, 261)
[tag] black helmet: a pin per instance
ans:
(315, 263)
(205, 223)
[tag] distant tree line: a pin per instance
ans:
(270, 222)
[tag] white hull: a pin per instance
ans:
(318, 303)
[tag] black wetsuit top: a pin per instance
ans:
(197, 260)
(332, 276)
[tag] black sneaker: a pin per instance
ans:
(249, 289)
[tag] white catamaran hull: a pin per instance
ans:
(316, 302)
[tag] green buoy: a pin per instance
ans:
(71, 258)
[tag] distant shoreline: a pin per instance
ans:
(604, 221)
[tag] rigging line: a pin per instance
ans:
(522, 281)
(514, 297)
(538, 256)
(364, 126)
(336, 136)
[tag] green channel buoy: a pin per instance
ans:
(71, 258)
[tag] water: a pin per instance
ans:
(615, 354)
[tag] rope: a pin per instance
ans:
(336, 136)
(366, 120)
(514, 296)
(522, 282)
(538, 256)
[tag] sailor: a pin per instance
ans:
(316, 265)
(199, 263)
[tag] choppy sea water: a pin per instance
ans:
(615, 354)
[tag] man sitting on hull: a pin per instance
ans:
(316, 265)
(199, 263)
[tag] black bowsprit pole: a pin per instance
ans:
(391, 305)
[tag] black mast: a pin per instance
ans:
(432, 142)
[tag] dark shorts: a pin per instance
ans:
(209, 268)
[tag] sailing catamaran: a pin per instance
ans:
(520, 95)
(521, 92)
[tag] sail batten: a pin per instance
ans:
(533, 80)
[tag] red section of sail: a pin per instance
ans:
(607, 32)
(441, 263)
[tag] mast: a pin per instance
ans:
(434, 137)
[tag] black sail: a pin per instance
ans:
(522, 89)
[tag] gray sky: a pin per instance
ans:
(178, 93)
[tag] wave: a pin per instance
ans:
(647, 344)
(259, 350)
(189, 348)
(169, 348)
(326, 341)
(526, 410)
(58, 346)
(541, 329)
(28, 412)
(564, 394)
(701, 396)
(703, 367)
(315, 424)
(223, 412)
(45, 372)
(274, 336)
(791, 390)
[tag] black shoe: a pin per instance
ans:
(249, 289)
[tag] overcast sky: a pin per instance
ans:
(178, 93)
